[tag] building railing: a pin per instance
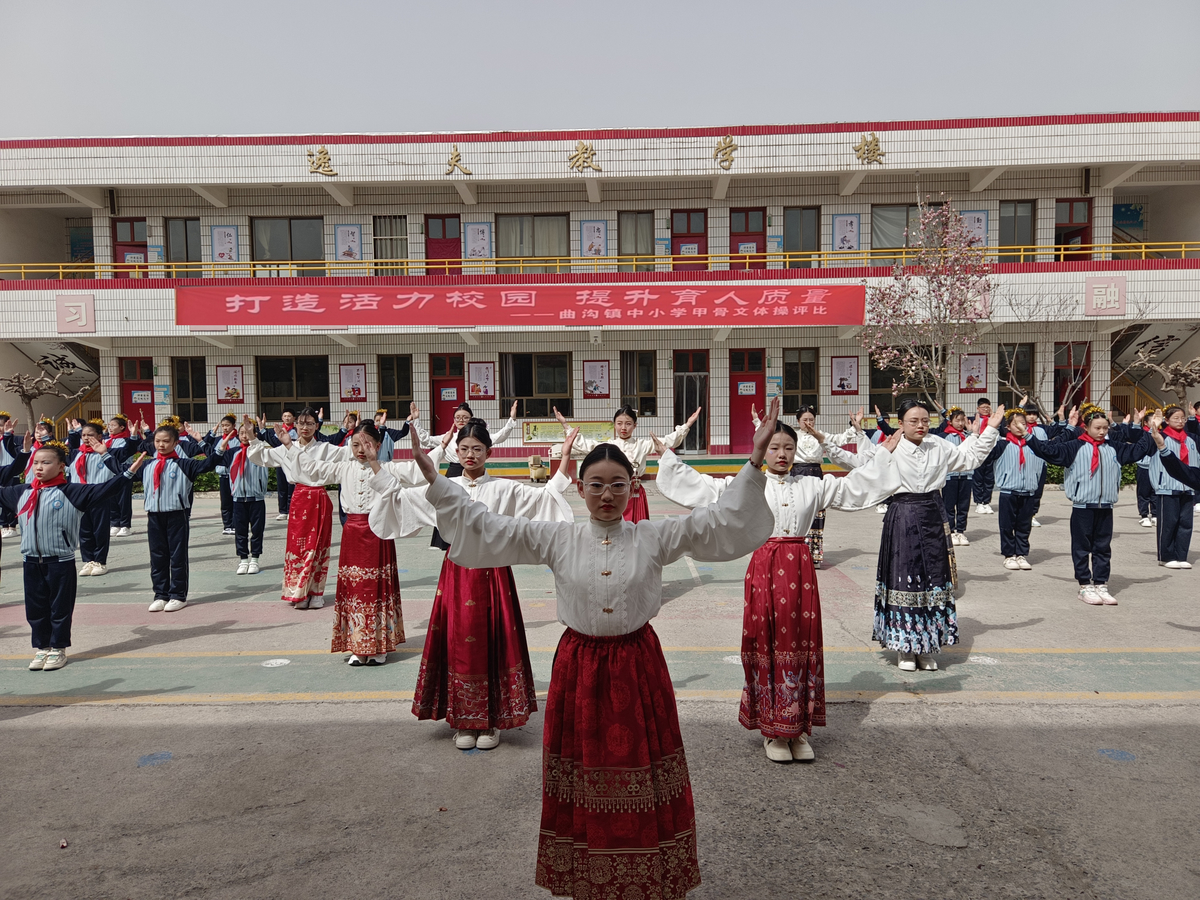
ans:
(822, 259)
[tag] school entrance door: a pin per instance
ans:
(691, 390)
(747, 387)
(137, 390)
(448, 388)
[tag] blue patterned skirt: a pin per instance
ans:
(916, 577)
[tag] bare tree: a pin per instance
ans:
(32, 387)
(1177, 377)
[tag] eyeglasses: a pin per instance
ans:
(596, 488)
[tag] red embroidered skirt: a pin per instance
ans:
(367, 618)
(637, 510)
(617, 814)
(475, 670)
(782, 646)
(309, 531)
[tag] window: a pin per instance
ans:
(446, 365)
(639, 380)
(137, 369)
(881, 389)
(183, 245)
(292, 382)
(1016, 373)
(691, 391)
(800, 386)
(801, 234)
(689, 222)
(895, 226)
(191, 387)
(538, 382)
(395, 385)
(288, 239)
(1017, 228)
(390, 242)
(1072, 371)
(635, 237)
(747, 221)
(130, 231)
(532, 236)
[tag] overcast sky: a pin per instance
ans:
(121, 67)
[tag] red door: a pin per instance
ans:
(689, 237)
(443, 241)
(137, 390)
(129, 248)
(747, 238)
(747, 386)
(448, 387)
(1073, 228)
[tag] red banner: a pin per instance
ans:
(466, 306)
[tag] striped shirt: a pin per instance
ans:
(212, 439)
(251, 483)
(175, 491)
(98, 468)
(1164, 483)
(1011, 476)
(7, 449)
(52, 530)
(957, 442)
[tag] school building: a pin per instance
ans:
(664, 268)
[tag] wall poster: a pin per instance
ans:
(972, 373)
(975, 221)
(595, 379)
(229, 385)
(224, 243)
(844, 372)
(481, 381)
(479, 240)
(347, 241)
(352, 378)
(593, 238)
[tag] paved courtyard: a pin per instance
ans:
(221, 751)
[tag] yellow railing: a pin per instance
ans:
(87, 407)
(1128, 395)
(824, 259)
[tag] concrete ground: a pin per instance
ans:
(1054, 754)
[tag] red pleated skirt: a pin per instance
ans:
(617, 814)
(309, 532)
(637, 510)
(475, 671)
(367, 617)
(782, 646)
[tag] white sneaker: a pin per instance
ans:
(111, 531)
(39, 660)
(802, 750)
(988, 507)
(282, 517)
(356, 660)
(174, 605)
(488, 740)
(907, 662)
(8, 532)
(158, 606)
(1173, 564)
(954, 538)
(316, 602)
(254, 568)
(881, 508)
(55, 659)
(926, 662)
(1087, 593)
(1035, 523)
(1024, 563)
(228, 531)
(85, 569)
(1146, 523)
(1011, 563)
(124, 532)
(962, 540)
(243, 567)
(303, 604)
(1184, 564)
(778, 749)
(1154, 520)
(377, 660)
(1105, 597)
(99, 569)
(464, 738)
(980, 509)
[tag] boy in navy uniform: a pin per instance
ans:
(983, 480)
(248, 489)
(87, 465)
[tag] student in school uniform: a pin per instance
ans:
(86, 465)
(248, 491)
(983, 479)
(50, 509)
(9, 450)
(43, 433)
(167, 484)
(1020, 474)
(120, 438)
(1091, 481)
(956, 495)
(228, 426)
(1175, 499)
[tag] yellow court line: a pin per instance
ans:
(898, 695)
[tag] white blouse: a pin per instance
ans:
(794, 499)
(429, 441)
(637, 450)
(354, 478)
(608, 576)
(923, 467)
(288, 458)
(402, 510)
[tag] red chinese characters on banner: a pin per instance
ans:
(657, 305)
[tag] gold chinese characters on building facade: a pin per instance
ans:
(584, 157)
(455, 162)
(319, 163)
(724, 152)
(867, 150)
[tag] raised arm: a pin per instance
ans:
(675, 438)
(504, 431)
(1058, 453)
(864, 487)
(971, 453)
(1131, 453)
(683, 485)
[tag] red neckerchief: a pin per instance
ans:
(31, 504)
(1020, 442)
(1096, 445)
(81, 463)
(116, 436)
(950, 429)
(238, 466)
(160, 465)
(1180, 436)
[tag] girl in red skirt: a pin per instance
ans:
(310, 514)
(475, 670)
(368, 623)
(636, 450)
(617, 813)
(782, 645)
